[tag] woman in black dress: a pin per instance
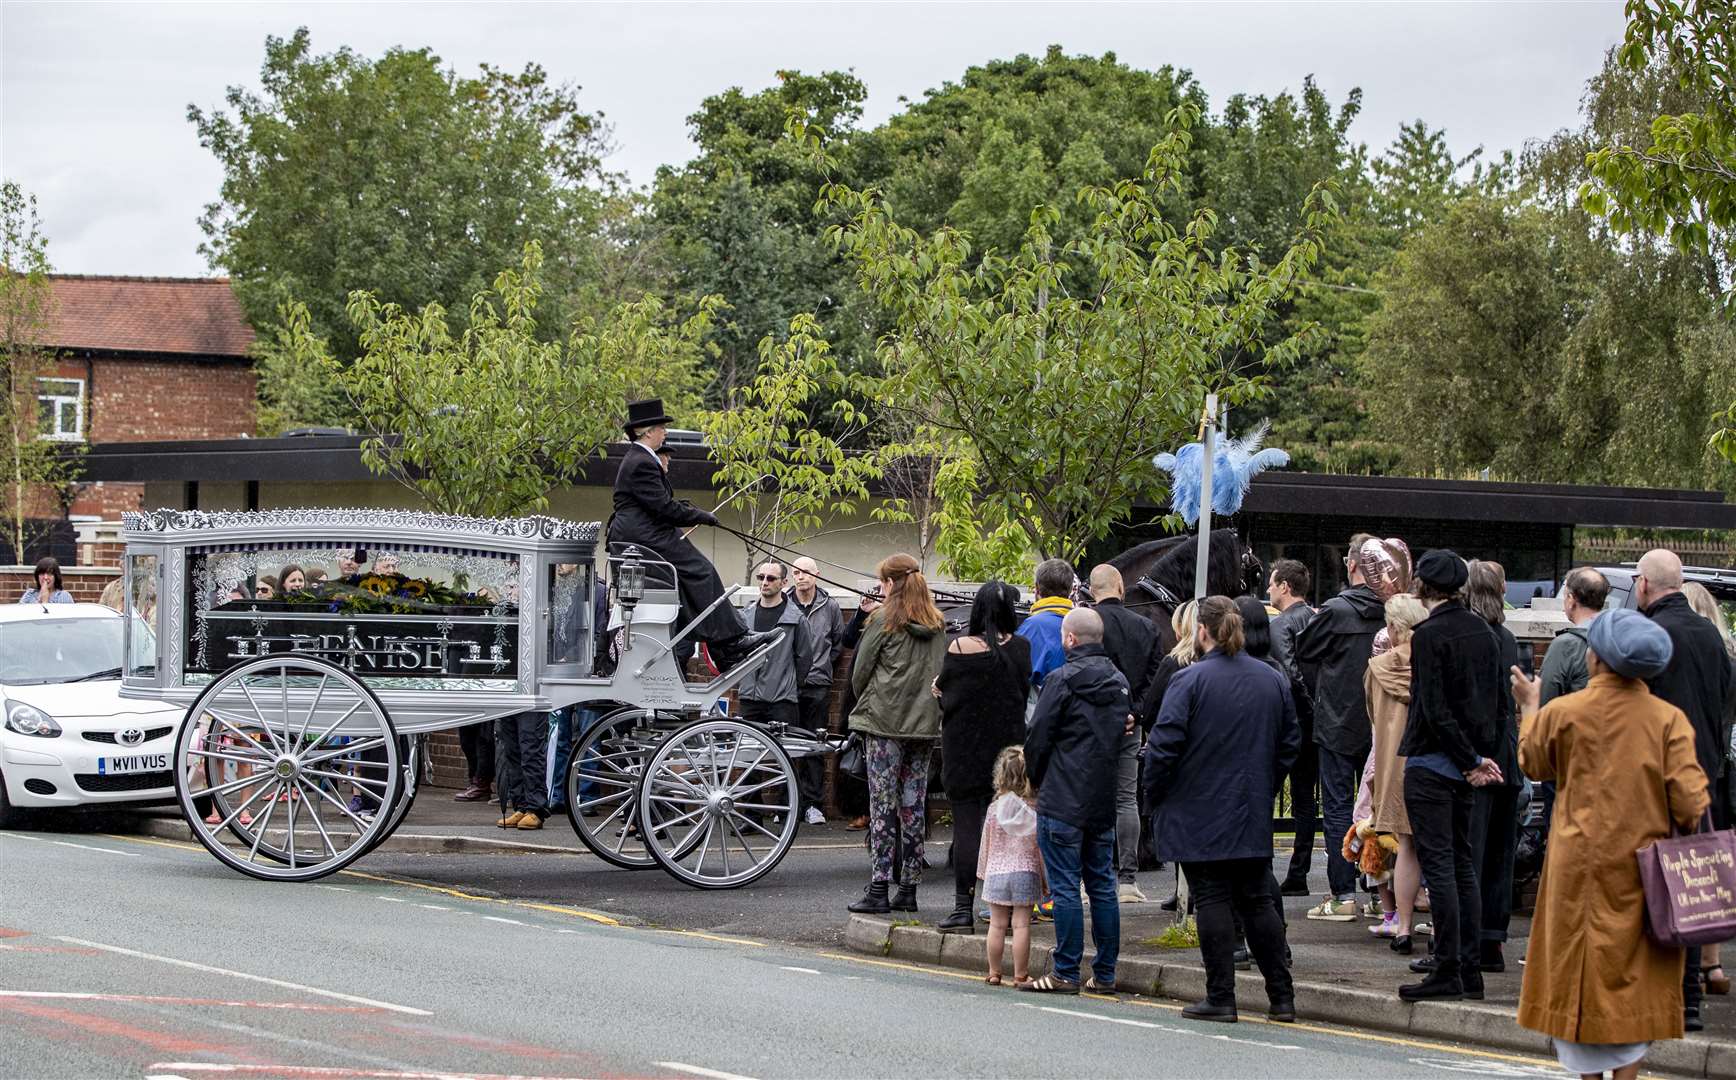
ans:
(983, 682)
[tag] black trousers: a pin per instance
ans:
(523, 748)
(1242, 887)
(1494, 839)
(1440, 817)
(477, 742)
(1305, 805)
(967, 840)
(810, 771)
(696, 578)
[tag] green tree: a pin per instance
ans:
(1062, 398)
(31, 466)
(784, 463)
(399, 176)
(485, 421)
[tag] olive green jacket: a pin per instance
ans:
(893, 676)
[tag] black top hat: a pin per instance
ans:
(644, 414)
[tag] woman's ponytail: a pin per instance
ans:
(1223, 622)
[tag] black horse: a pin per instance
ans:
(1159, 575)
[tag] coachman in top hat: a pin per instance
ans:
(648, 515)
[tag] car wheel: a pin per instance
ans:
(10, 816)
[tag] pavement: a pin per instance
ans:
(142, 957)
(1345, 975)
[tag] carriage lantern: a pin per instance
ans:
(630, 586)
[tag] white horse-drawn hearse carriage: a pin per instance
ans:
(313, 650)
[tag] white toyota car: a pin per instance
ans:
(68, 738)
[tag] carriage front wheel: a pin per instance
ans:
(299, 763)
(718, 804)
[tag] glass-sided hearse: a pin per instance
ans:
(314, 649)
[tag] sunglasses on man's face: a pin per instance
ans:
(767, 577)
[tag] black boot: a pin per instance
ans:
(905, 899)
(963, 919)
(873, 901)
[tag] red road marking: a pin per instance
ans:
(313, 1072)
(153, 999)
(7, 931)
(156, 1040)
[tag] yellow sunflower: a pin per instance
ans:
(377, 585)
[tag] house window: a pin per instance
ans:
(60, 405)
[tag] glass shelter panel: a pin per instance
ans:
(411, 617)
(141, 611)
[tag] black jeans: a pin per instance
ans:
(523, 746)
(810, 771)
(477, 742)
(1494, 839)
(967, 841)
(1440, 817)
(1305, 805)
(1339, 775)
(1244, 887)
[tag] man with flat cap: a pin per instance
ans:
(648, 515)
(1450, 738)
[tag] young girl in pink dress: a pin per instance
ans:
(1010, 866)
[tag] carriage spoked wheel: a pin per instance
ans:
(718, 804)
(608, 760)
(297, 759)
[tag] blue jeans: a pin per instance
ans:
(1339, 774)
(1068, 851)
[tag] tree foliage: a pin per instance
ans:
(30, 465)
(397, 176)
(486, 420)
(1062, 397)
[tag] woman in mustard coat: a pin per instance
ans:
(1624, 768)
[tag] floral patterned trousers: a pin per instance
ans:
(897, 803)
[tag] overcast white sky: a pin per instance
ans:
(93, 96)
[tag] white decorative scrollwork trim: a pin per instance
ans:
(420, 521)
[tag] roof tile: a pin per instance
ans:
(189, 316)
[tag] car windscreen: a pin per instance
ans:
(58, 650)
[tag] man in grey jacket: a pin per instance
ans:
(773, 693)
(825, 625)
(1582, 596)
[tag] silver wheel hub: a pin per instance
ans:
(286, 767)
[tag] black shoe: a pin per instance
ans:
(873, 901)
(1401, 944)
(1282, 1012)
(1436, 987)
(1490, 957)
(905, 900)
(1294, 887)
(961, 921)
(1170, 904)
(1691, 1020)
(1205, 1010)
(1422, 965)
(1473, 985)
(1242, 959)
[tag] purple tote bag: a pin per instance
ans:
(1690, 886)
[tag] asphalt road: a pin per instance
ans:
(132, 957)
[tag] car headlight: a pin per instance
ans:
(29, 720)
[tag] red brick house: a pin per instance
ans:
(144, 359)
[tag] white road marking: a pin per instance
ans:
(695, 1070)
(392, 899)
(802, 970)
(334, 888)
(511, 922)
(435, 907)
(1158, 1027)
(280, 983)
(311, 1072)
(68, 843)
(154, 999)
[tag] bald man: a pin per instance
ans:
(1070, 756)
(1131, 643)
(1698, 682)
(825, 625)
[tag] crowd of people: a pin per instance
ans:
(1403, 703)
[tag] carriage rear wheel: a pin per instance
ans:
(718, 804)
(301, 766)
(603, 786)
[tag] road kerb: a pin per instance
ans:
(1468, 1022)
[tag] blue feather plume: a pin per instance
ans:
(1235, 463)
